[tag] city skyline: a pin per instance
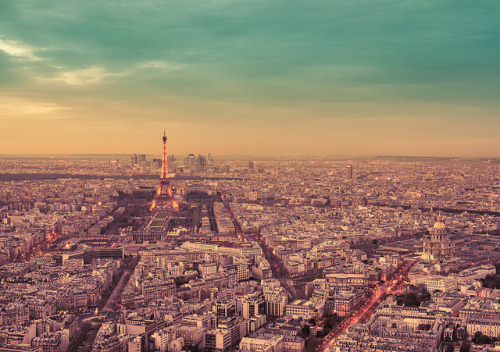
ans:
(251, 78)
(271, 256)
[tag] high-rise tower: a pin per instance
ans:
(164, 197)
(349, 172)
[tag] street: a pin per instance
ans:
(364, 313)
(275, 268)
(114, 297)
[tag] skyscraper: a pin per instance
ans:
(201, 163)
(210, 163)
(349, 172)
(133, 160)
(189, 162)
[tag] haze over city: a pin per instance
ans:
(251, 77)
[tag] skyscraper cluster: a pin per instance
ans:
(200, 163)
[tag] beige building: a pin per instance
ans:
(438, 244)
(303, 309)
(488, 327)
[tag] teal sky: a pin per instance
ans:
(253, 77)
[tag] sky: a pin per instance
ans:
(251, 77)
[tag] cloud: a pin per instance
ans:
(159, 65)
(89, 75)
(97, 74)
(14, 107)
(17, 49)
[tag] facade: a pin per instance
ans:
(488, 327)
(343, 280)
(438, 244)
(275, 297)
(273, 343)
(253, 305)
(155, 289)
(198, 321)
(225, 308)
(51, 342)
(437, 283)
(228, 333)
(347, 300)
(303, 309)
(218, 340)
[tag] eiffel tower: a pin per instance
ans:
(164, 199)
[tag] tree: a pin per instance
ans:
(465, 347)
(411, 300)
(425, 296)
(332, 321)
(450, 348)
(481, 339)
(306, 331)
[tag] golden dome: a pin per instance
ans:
(439, 225)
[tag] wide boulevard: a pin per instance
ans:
(362, 314)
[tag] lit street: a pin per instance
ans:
(363, 313)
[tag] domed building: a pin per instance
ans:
(438, 244)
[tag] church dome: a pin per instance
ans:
(439, 225)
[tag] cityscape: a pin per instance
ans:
(198, 254)
(250, 176)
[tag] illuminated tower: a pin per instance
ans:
(164, 197)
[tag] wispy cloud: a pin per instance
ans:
(96, 74)
(19, 50)
(14, 107)
(159, 65)
(89, 75)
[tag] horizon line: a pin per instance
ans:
(249, 156)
